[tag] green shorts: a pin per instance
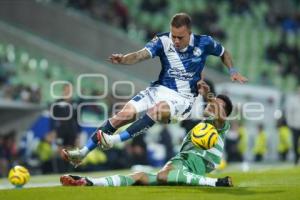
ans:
(191, 162)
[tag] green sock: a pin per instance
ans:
(120, 180)
(184, 177)
(116, 180)
(152, 180)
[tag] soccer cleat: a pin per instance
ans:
(72, 180)
(103, 140)
(224, 182)
(72, 156)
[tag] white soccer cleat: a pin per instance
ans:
(72, 156)
(104, 140)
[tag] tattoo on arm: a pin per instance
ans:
(136, 57)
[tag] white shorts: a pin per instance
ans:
(180, 106)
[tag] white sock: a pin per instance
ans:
(107, 181)
(113, 139)
(208, 181)
(99, 181)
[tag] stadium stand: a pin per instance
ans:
(29, 76)
(244, 27)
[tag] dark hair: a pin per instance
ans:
(228, 106)
(181, 19)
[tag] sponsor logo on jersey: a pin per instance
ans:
(183, 55)
(181, 74)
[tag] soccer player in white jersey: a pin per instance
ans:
(182, 55)
(189, 166)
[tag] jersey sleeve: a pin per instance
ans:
(213, 47)
(154, 47)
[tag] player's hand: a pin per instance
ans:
(238, 77)
(203, 88)
(116, 58)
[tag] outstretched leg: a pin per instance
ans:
(138, 178)
(126, 115)
(160, 112)
(175, 173)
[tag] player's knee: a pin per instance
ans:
(128, 113)
(124, 116)
(138, 175)
(160, 112)
(139, 178)
(162, 177)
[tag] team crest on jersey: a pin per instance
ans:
(197, 52)
(181, 74)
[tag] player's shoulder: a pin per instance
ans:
(160, 35)
(202, 38)
(162, 38)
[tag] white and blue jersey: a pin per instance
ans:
(182, 69)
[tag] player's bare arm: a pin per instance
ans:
(130, 58)
(204, 90)
(235, 75)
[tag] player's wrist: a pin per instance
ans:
(233, 70)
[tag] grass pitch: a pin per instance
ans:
(270, 184)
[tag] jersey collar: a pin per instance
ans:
(191, 40)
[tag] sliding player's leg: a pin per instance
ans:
(179, 172)
(138, 178)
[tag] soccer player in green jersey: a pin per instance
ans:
(189, 166)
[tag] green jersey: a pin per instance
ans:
(212, 155)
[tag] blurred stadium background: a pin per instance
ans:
(51, 47)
